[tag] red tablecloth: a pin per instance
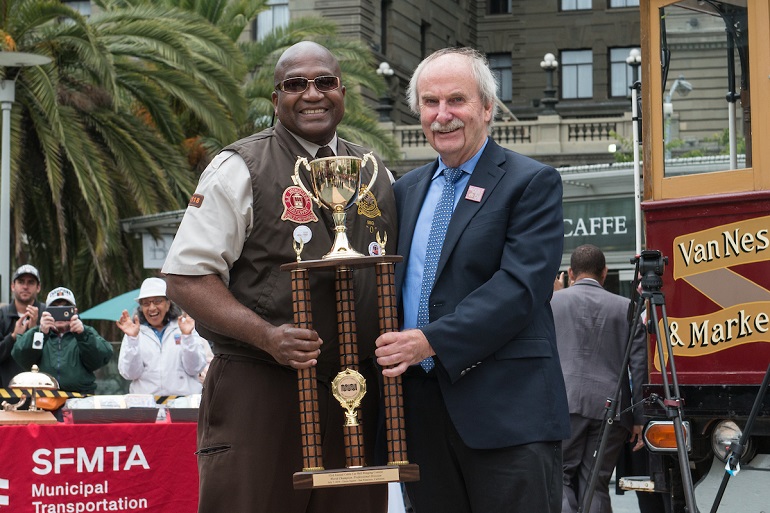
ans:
(98, 467)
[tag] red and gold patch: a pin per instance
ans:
(297, 206)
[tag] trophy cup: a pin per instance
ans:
(336, 183)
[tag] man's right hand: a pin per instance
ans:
(398, 350)
(296, 347)
(211, 304)
(22, 324)
(46, 322)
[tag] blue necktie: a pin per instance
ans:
(441, 217)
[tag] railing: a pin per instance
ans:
(547, 135)
(592, 131)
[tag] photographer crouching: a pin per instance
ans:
(63, 346)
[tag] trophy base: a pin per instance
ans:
(356, 476)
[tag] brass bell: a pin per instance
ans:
(33, 380)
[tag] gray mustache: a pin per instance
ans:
(446, 127)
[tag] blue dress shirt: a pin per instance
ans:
(416, 261)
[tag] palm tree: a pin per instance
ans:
(356, 60)
(97, 134)
(136, 100)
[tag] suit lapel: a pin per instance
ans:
(486, 176)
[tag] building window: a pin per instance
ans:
(577, 74)
(614, 4)
(575, 5)
(274, 17)
(621, 74)
(384, 19)
(501, 68)
(83, 8)
(500, 7)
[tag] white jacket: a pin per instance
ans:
(169, 367)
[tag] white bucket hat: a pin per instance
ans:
(152, 287)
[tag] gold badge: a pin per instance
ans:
(297, 206)
(349, 388)
(368, 206)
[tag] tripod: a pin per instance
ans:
(650, 265)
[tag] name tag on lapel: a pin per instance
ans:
(474, 193)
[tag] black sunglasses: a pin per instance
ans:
(297, 85)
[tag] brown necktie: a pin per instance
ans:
(324, 151)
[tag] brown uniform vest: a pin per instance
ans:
(256, 279)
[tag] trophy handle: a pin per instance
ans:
(297, 179)
(369, 156)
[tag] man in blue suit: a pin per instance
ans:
(484, 396)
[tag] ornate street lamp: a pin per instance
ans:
(634, 60)
(683, 88)
(386, 102)
(549, 65)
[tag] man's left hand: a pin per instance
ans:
(186, 324)
(33, 314)
(76, 325)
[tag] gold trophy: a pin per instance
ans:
(336, 184)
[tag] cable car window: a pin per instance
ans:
(706, 104)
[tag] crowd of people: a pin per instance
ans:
(493, 360)
(161, 352)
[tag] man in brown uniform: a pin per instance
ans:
(224, 269)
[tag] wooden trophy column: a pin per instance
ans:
(349, 386)
(312, 457)
(394, 402)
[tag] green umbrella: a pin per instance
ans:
(112, 309)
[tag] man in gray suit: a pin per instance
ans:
(591, 333)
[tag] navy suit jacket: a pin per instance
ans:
(490, 317)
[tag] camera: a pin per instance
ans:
(650, 265)
(61, 313)
(652, 261)
(37, 341)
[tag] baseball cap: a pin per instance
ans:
(152, 287)
(60, 293)
(26, 269)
